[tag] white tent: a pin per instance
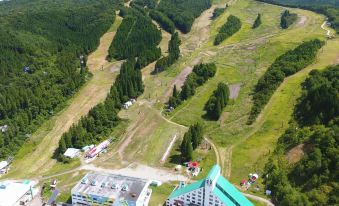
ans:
(72, 153)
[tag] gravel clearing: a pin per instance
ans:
(141, 171)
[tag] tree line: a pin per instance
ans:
(192, 139)
(313, 179)
(285, 65)
(232, 25)
(173, 54)
(217, 101)
(218, 11)
(40, 68)
(102, 118)
(165, 22)
(183, 12)
(287, 19)
(201, 73)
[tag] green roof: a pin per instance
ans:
(187, 188)
(228, 193)
(213, 172)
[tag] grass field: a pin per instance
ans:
(242, 59)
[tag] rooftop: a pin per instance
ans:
(11, 192)
(224, 190)
(111, 186)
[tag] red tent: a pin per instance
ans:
(193, 164)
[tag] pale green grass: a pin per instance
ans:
(160, 194)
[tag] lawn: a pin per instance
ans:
(161, 193)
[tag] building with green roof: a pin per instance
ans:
(213, 190)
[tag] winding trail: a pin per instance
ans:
(328, 32)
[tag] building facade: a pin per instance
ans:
(113, 190)
(214, 190)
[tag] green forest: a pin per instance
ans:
(102, 119)
(173, 54)
(165, 22)
(201, 73)
(183, 12)
(232, 25)
(40, 46)
(287, 19)
(217, 101)
(284, 66)
(312, 180)
(329, 8)
(135, 36)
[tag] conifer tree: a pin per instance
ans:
(257, 22)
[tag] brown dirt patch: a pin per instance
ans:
(295, 154)
(179, 80)
(302, 20)
(234, 90)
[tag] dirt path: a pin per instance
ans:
(168, 150)
(97, 59)
(215, 150)
(328, 31)
(260, 199)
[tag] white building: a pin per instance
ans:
(114, 190)
(72, 153)
(14, 193)
(214, 190)
(3, 167)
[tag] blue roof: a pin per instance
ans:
(227, 192)
(188, 188)
(213, 172)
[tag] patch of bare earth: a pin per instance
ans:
(295, 154)
(178, 81)
(302, 20)
(234, 90)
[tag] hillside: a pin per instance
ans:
(196, 108)
(330, 8)
(40, 66)
(309, 178)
